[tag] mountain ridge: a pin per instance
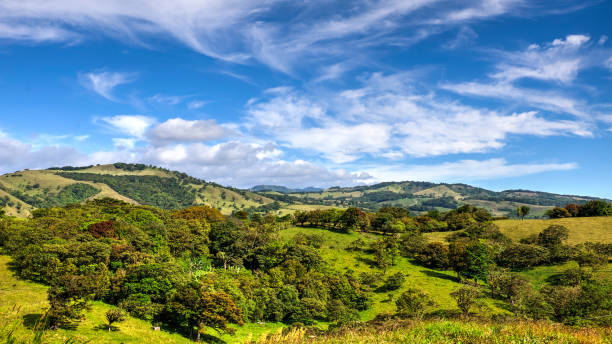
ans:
(23, 191)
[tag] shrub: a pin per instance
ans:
(522, 256)
(434, 255)
(412, 303)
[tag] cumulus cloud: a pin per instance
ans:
(17, 155)
(180, 130)
(133, 125)
(103, 83)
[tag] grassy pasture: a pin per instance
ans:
(438, 284)
(581, 229)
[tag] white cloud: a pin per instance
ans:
(465, 35)
(464, 170)
(103, 83)
(17, 155)
(180, 130)
(387, 117)
(546, 100)
(165, 99)
(608, 63)
(602, 40)
(196, 104)
(558, 61)
(81, 138)
(341, 143)
(133, 125)
(239, 31)
(35, 33)
(124, 143)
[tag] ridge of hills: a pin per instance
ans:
(23, 191)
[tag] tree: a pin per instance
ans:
(67, 300)
(595, 208)
(434, 255)
(412, 303)
(573, 209)
(522, 211)
(466, 297)
(353, 219)
(393, 282)
(217, 310)
(521, 256)
(558, 213)
(470, 260)
(553, 236)
(113, 316)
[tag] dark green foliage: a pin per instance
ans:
(166, 193)
(553, 236)
(470, 259)
(595, 208)
(393, 282)
(67, 300)
(73, 193)
(521, 256)
(434, 255)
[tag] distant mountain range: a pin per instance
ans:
(283, 189)
(23, 191)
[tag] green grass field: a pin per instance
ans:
(581, 229)
(438, 284)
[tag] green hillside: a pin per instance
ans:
(235, 278)
(423, 196)
(23, 191)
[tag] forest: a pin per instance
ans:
(194, 270)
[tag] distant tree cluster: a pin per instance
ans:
(589, 209)
(166, 193)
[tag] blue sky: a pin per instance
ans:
(500, 93)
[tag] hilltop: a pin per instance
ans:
(23, 191)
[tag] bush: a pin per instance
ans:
(393, 282)
(412, 304)
(522, 256)
(434, 255)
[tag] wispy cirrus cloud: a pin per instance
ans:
(103, 83)
(241, 31)
(388, 115)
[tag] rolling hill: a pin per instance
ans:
(424, 196)
(23, 191)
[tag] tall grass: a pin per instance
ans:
(443, 332)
